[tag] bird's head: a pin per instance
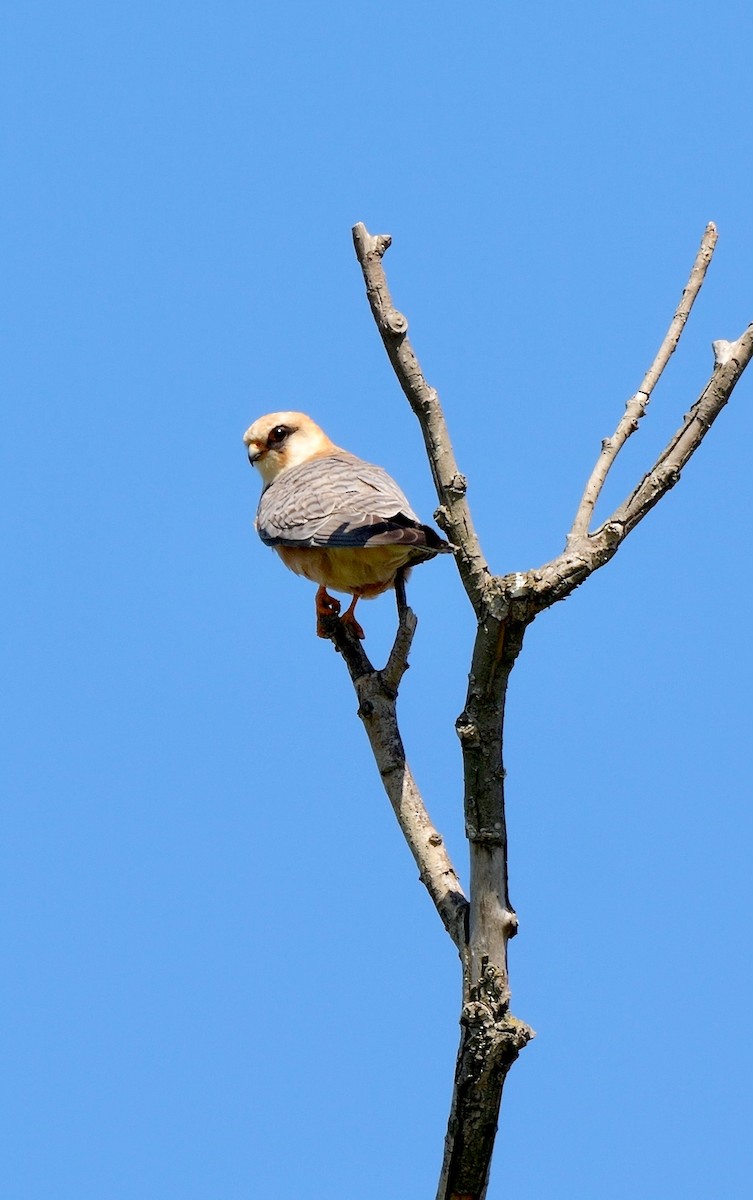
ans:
(283, 440)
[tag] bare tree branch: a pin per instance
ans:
(731, 359)
(491, 1037)
(453, 515)
(637, 405)
(585, 554)
(377, 708)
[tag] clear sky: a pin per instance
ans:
(222, 978)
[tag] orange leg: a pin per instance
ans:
(326, 608)
(349, 618)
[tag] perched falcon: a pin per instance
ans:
(337, 520)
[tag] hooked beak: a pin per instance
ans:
(254, 453)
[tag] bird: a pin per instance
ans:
(339, 521)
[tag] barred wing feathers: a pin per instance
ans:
(339, 500)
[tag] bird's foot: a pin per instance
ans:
(348, 618)
(327, 608)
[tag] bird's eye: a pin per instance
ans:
(278, 435)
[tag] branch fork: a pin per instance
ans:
(481, 924)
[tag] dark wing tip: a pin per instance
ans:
(406, 531)
(435, 542)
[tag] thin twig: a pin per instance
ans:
(397, 663)
(453, 514)
(637, 405)
(731, 359)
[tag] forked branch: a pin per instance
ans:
(557, 579)
(637, 405)
(491, 1037)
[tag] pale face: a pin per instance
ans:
(283, 440)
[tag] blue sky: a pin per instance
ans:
(222, 977)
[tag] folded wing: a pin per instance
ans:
(338, 500)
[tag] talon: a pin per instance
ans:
(327, 608)
(349, 618)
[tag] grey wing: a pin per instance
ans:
(338, 500)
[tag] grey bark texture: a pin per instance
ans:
(482, 923)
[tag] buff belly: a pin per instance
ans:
(363, 571)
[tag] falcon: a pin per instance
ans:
(337, 520)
